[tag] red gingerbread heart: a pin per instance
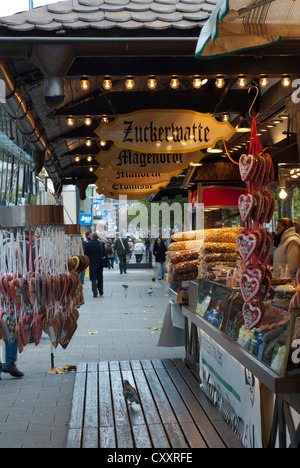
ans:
(247, 244)
(271, 174)
(253, 313)
(247, 166)
(246, 205)
(271, 210)
(250, 287)
(257, 206)
(264, 288)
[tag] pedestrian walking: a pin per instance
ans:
(95, 250)
(110, 251)
(138, 250)
(122, 249)
(159, 252)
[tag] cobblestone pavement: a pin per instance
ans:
(35, 410)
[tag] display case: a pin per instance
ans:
(271, 351)
(221, 351)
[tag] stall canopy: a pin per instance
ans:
(66, 66)
(239, 25)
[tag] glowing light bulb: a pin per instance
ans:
(70, 121)
(264, 81)
(88, 121)
(129, 83)
(152, 82)
(282, 194)
(220, 82)
(197, 82)
(85, 84)
(174, 82)
(107, 83)
(286, 81)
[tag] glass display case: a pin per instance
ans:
(275, 342)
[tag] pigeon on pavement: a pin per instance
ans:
(130, 393)
(150, 291)
(125, 286)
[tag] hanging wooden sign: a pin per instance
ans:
(123, 176)
(148, 161)
(116, 196)
(135, 190)
(165, 131)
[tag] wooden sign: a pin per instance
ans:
(132, 191)
(124, 176)
(134, 161)
(165, 131)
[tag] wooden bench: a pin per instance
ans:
(174, 413)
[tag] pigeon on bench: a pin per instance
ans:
(130, 393)
(125, 286)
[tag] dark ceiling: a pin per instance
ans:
(46, 51)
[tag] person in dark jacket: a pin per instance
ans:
(159, 252)
(95, 250)
(122, 249)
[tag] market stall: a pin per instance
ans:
(40, 289)
(242, 324)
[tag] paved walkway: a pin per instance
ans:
(35, 410)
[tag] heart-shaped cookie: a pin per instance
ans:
(246, 205)
(257, 206)
(271, 174)
(247, 243)
(271, 210)
(247, 166)
(250, 286)
(37, 328)
(253, 313)
(264, 288)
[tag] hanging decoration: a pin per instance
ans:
(255, 241)
(39, 289)
(165, 131)
(148, 161)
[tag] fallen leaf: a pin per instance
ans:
(127, 313)
(93, 333)
(149, 305)
(61, 370)
(154, 328)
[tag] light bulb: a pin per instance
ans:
(89, 158)
(102, 143)
(91, 169)
(282, 194)
(152, 82)
(286, 81)
(242, 81)
(85, 84)
(174, 82)
(220, 82)
(77, 159)
(197, 82)
(70, 121)
(129, 83)
(225, 117)
(88, 142)
(88, 121)
(104, 119)
(107, 83)
(264, 81)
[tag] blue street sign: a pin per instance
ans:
(85, 219)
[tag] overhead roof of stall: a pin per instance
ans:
(45, 51)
